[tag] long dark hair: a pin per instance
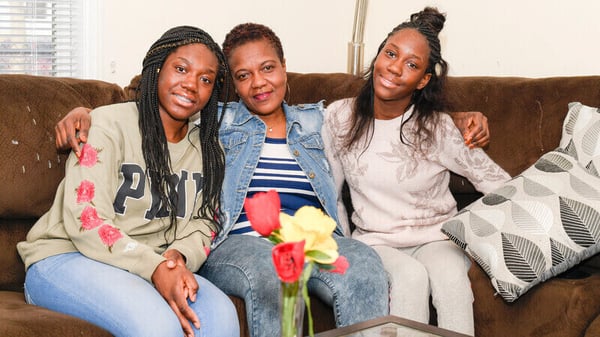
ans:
(154, 141)
(427, 101)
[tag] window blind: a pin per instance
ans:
(40, 37)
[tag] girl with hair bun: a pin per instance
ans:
(134, 215)
(395, 147)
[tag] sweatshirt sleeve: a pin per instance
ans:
(91, 182)
(473, 164)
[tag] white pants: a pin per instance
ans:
(438, 268)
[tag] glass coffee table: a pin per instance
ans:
(390, 326)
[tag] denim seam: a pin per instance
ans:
(253, 331)
(336, 312)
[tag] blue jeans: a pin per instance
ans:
(242, 266)
(122, 303)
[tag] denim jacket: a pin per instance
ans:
(242, 135)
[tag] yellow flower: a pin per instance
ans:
(310, 228)
(316, 228)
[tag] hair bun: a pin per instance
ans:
(431, 18)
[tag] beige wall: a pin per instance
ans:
(531, 38)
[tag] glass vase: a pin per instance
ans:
(293, 306)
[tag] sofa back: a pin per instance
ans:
(525, 115)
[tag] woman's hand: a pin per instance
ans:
(176, 284)
(474, 127)
(67, 137)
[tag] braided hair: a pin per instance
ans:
(154, 141)
(427, 101)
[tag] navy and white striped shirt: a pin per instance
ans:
(278, 170)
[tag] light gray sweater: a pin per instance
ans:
(401, 196)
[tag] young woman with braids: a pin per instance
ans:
(135, 213)
(394, 147)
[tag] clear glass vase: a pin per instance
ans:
(292, 309)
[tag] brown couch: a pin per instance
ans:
(525, 117)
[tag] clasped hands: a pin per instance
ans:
(176, 284)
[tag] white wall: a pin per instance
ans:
(530, 38)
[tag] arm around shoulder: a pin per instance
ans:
(473, 125)
(73, 129)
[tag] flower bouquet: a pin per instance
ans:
(300, 242)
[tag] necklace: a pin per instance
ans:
(270, 129)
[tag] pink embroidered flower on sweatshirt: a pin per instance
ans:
(89, 218)
(206, 250)
(109, 235)
(85, 191)
(89, 156)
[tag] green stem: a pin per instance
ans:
(290, 293)
(305, 277)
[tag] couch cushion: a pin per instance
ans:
(541, 223)
(562, 307)
(13, 271)
(19, 319)
(27, 147)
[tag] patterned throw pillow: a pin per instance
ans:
(543, 221)
(581, 135)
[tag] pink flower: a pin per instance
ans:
(109, 235)
(89, 218)
(263, 212)
(288, 258)
(213, 235)
(340, 265)
(89, 156)
(206, 250)
(85, 191)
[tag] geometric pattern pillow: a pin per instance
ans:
(581, 135)
(536, 226)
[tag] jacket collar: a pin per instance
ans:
(242, 115)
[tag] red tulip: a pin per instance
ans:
(263, 212)
(288, 258)
(340, 265)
